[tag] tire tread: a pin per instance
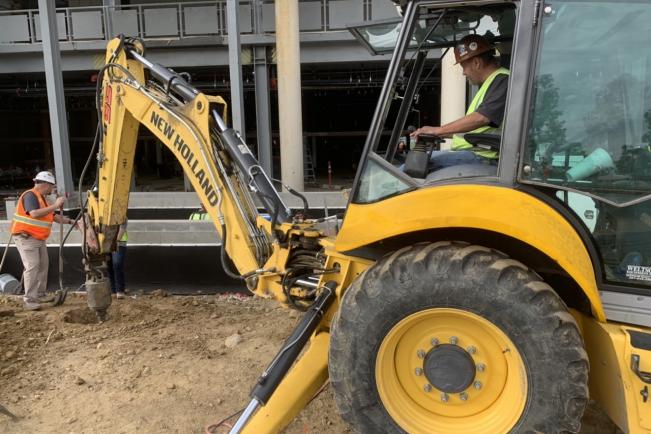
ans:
(555, 328)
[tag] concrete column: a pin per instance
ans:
(109, 7)
(257, 16)
(453, 92)
(235, 66)
(262, 107)
(55, 96)
(289, 93)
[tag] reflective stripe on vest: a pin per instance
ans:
(31, 221)
(38, 228)
(458, 142)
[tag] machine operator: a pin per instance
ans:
(481, 66)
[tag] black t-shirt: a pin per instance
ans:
(495, 100)
(30, 202)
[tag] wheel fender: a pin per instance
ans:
(492, 208)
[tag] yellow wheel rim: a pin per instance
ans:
(492, 403)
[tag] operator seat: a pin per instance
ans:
(480, 142)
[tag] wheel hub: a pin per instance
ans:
(449, 368)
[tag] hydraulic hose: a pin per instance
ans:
(81, 183)
(306, 205)
(99, 132)
(63, 239)
(225, 265)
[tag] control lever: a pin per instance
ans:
(411, 141)
(418, 158)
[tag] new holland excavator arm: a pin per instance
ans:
(218, 163)
(284, 257)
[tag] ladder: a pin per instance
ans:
(308, 166)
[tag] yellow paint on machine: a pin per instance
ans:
(184, 130)
(493, 405)
(487, 207)
(299, 386)
(612, 381)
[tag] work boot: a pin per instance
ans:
(120, 294)
(45, 298)
(30, 305)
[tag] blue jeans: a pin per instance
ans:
(116, 269)
(441, 159)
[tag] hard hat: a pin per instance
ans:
(470, 46)
(45, 176)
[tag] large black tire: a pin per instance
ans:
(473, 279)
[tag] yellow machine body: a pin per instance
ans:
(185, 131)
(422, 213)
(488, 208)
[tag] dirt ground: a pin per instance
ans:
(162, 364)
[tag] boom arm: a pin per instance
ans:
(214, 157)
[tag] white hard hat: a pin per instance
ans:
(45, 176)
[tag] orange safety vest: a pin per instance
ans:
(38, 228)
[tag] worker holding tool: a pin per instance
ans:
(32, 224)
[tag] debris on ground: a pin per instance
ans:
(161, 363)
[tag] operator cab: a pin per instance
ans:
(577, 126)
(435, 31)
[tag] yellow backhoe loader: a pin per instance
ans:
(488, 298)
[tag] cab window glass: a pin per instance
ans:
(590, 125)
(622, 235)
(378, 183)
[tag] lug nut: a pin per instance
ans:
(418, 371)
(427, 388)
(471, 349)
(454, 340)
(463, 396)
(444, 397)
(477, 385)
(420, 354)
(481, 367)
(434, 342)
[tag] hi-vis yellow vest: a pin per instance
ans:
(38, 228)
(458, 142)
(198, 215)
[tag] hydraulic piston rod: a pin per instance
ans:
(273, 375)
(238, 150)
